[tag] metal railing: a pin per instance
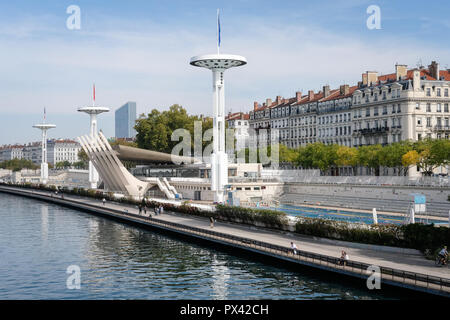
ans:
(293, 176)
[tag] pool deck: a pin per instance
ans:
(369, 212)
(404, 260)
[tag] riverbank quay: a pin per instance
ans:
(402, 269)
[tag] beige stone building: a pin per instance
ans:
(408, 104)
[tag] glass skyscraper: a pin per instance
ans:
(125, 118)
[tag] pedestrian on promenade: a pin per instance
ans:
(344, 258)
(145, 209)
(294, 248)
(211, 220)
(161, 209)
(341, 260)
(104, 201)
(140, 209)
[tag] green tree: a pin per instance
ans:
(392, 156)
(370, 156)
(154, 131)
(347, 156)
(432, 154)
(63, 164)
(18, 164)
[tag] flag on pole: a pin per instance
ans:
(94, 92)
(218, 30)
(44, 114)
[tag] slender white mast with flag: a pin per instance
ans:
(93, 111)
(218, 64)
(44, 127)
(93, 102)
(218, 31)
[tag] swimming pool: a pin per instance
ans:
(349, 216)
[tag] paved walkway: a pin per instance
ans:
(407, 262)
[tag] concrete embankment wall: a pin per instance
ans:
(386, 198)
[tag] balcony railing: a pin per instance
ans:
(442, 127)
(372, 130)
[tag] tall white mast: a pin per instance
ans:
(93, 111)
(218, 63)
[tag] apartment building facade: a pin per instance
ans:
(239, 122)
(10, 152)
(380, 109)
(62, 150)
(57, 151)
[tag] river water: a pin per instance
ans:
(39, 241)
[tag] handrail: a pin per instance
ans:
(442, 282)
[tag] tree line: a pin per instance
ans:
(426, 154)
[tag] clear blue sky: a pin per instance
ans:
(139, 51)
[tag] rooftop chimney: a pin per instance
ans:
(364, 79)
(416, 79)
(344, 89)
(255, 105)
(298, 96)
(434, 69)
(326, 91)
(278, 99)
(400, 71)
(311, 94)
(369, 77)
(268, 102)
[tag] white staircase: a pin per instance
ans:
(171, 188)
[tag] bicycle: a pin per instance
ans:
(440, 260)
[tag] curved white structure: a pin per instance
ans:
(218, 63)
(93, 112)
(113, 173)
(44, 165)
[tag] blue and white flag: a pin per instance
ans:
(218, 28)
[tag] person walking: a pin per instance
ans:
(211, 220)
(104, 201)
(341, 260)
(161, 209)
(156, 210)
(140, 209)
(294, 248)
(345, 258)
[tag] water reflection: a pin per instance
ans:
(221, 276)
(44, 221)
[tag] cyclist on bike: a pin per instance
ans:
(443, 254)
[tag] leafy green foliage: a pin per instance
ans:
(427, 154)
(154, 131)
(18, 164)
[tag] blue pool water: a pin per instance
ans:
(349, 216)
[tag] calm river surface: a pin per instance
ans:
(39, 241)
